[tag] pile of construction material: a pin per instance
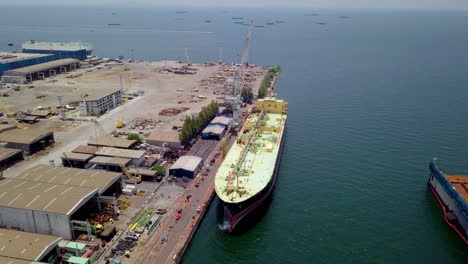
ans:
(173, 111)
(145, 124)
(100, 219)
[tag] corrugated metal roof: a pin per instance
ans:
(23, 136)
(164, 136)
(8, 57)
(85, 149)
(120, 153)
(99, 94)
(189, 163)
(223, 120)
(43, 197)
(5, 260)
(40, 67)
(77, 156)
(62, 46)
(5, 127)
(109, 141)
(41, 113)
(71, 176)
(143, 172)
(214, 129)
(110, 161)
(25, 245)
(5, 153)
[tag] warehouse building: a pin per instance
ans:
(7, 260)
(11, 61)
(115, 142)
(7, 126)
(101, 102)
(136, 156)
(146, 174)
(109, 163)
(186, 166)
(40, 71)
(85, 149)
(213, 131)
(29, 140)
(44, 208)
(76, 160)
(165, 139)
(9, 157)
(25, 247)
(106, 182)
(72, 50)
(222, 120)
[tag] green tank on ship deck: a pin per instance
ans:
(249, 165)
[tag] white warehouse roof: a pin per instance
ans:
(43, 197)
(61, 46)
(189, 163)
(71, 177)
(41, 67)
(120, 153)
(222, 120)
(25, 246)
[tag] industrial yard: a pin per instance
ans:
(160, 90)
(92, 155)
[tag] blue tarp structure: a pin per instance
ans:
(213, 131)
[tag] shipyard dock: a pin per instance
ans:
(104, 135)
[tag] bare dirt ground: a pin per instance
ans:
(161, 90)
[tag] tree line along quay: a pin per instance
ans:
(194, 125)
(267, 81)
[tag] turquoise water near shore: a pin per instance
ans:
(372, 98)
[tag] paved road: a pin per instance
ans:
(203, 148)
(179, 230)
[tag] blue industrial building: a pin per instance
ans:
(213, 131)
(72, 50)
(11, 61)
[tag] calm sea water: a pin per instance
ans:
(372, 99)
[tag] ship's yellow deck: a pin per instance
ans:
(259, 164)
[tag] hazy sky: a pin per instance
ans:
(255, 3)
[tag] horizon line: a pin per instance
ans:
(255, 6)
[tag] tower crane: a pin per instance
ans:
(236, 100)
(189, 63)
(121, 121)
(247, 43)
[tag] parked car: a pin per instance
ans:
(161, 211)
(132, 235)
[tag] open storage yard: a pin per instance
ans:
(160, 88)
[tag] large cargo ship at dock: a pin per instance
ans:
(247, 175)
(451, 191)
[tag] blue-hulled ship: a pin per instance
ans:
(451, 191)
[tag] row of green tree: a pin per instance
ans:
(247, 95)
(193, 126)
(266, 82)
